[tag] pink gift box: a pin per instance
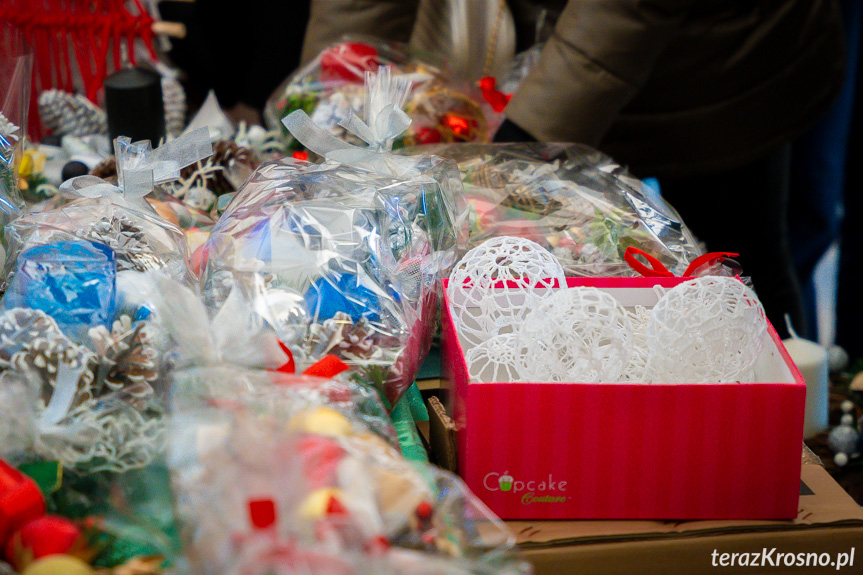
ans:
(629, 450)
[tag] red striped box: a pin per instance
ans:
(631, 451)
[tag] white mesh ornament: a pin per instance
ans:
(499, 358)
(636, 371)
(496, 283)
(708, 330)
(579, 335)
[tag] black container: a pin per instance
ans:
(133, 98)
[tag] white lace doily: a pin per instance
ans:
(707, 330)
(497, 283)
(578, 334)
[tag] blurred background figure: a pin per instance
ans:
(240, 52)
(817, 201)
(704, 95)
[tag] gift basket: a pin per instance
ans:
(570, 199)
(354, 504)
(83, 412)
(118, 216)
(343, 257)
(331, 86)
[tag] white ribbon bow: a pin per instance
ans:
(385, 120)
(140, 167)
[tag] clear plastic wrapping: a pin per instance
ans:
(118, 216)
(97, 395)
(16, 64)
(141, 239)
(340, 260)
(319, 492)
(442, 108)
(572, 200)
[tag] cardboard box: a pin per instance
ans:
(630, 451)
(828, 521)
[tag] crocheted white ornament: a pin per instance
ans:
(499, 358)
(706, 330)
(578, 334)
(497, 283)
(636, 371)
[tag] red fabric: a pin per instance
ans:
(65, 36)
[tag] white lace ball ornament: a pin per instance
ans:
(578, 335)
(636, 371)
(499, 358)
(494, 286)
(708, 330)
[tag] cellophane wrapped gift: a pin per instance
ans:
(571, 199)
(119, 216)
(281, 475)
(442, 108)
(344, 257)
(83, 402)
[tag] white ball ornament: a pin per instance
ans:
(578, 335)
(708, 330)
(499, 358)
(496, 284)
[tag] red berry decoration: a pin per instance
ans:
(424, 511)
(48, 535)
(348, 61)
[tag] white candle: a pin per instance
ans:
(812, 361)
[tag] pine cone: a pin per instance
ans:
(357, 340)
(174, 99)
(325, 337)
(106, 169)
(71, 114)
(21, 325)
(126, 360)
(42, 356)
(227, 155)
(127, 240)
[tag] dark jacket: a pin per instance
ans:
(671, 87)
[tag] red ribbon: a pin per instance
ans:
(495, 98)
(60, 31)
(328, 366)
(657, 270)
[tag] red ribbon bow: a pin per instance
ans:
(657, 270)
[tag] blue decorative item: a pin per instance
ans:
(72, 281)
(325, 299)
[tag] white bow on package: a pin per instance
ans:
(118, 216)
